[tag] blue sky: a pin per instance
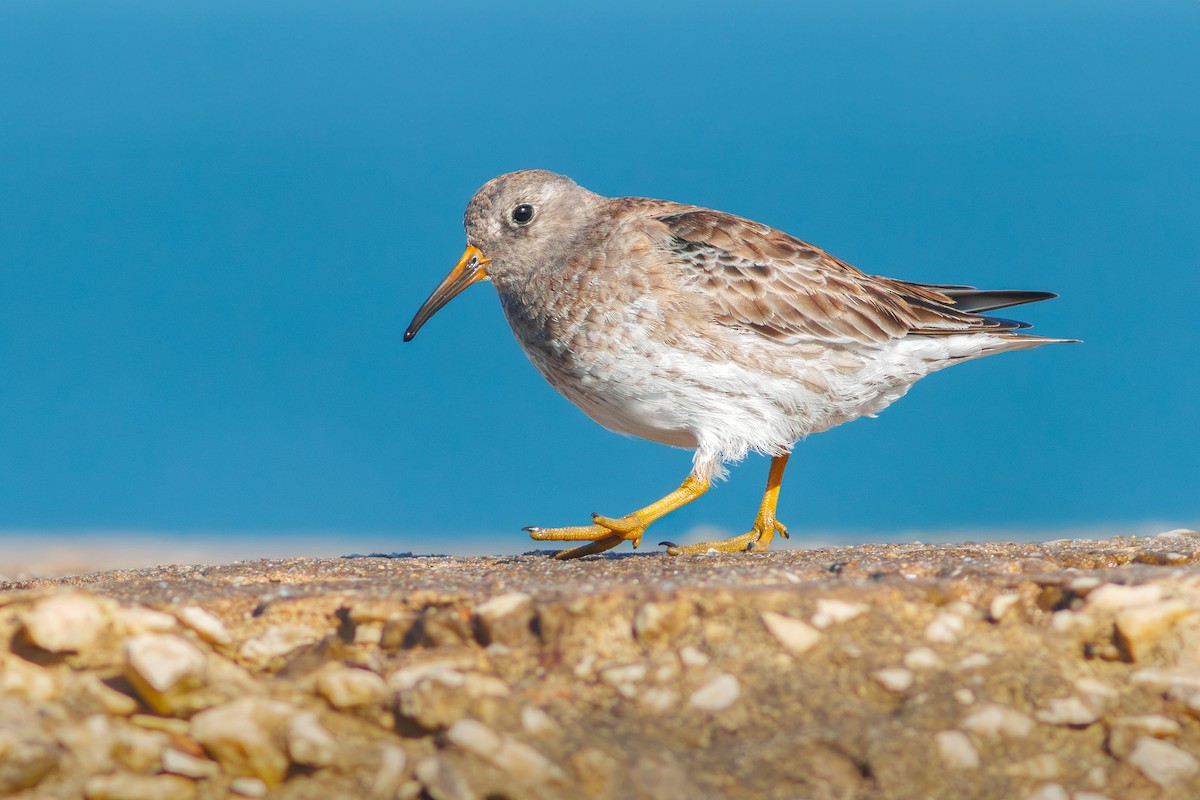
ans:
(216, 220)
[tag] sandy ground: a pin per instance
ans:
(1066, 669)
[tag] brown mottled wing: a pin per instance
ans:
(764, 281)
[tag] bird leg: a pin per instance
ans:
(765, 525)
(606, 532)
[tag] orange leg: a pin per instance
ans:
(765, 524)
(606, 532)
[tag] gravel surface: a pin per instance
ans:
(1066, 669)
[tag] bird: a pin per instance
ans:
(703, 330)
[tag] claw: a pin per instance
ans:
(667, 544)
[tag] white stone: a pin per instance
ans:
(1165, 677)
(896, 679)
(1095, 687)
(956, 750)
(1163, 763)
(692, 656)
(133, 620)
(1125, 731)
(1116, 596)
(243, 736)
(975, 661)
(180, 763)
(502, 605)
(18, 676)
(945, 628)
(478, 685)
(922, 658)
(205, 624)
(1001, 604)
(1073, 711)
(1141, 627)
(795, 635)
(1050, 791)
(444, 672)
(964, 696)
(274, 643)
(390, 775)
(163, 660)
(537, 722)
(1090, 796)
(994, 720)
(716, 695)
(1084, 584)
(475, 737)
(831, 612)
(629, 673)
(65, 623)
(309, 742)
(247, 786)
(350, 687)
(659, 699)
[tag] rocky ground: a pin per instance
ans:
(1061, 671)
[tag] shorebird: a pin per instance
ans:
(703, 330)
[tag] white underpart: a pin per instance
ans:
(725, 409)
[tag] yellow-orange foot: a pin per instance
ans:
(758, 539)
(603, 534)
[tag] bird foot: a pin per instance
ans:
(757, 540)
(603, 534)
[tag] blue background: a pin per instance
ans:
(217, 218)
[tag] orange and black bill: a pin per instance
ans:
(468, 270)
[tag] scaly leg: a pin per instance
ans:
(765, 524)
(605, 532)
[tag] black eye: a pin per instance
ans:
(522, 213)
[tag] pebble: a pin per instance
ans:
(66, 623)
(659, 699)
(1163, 763)
(132, 620)
(516, 758)
(390, 775)
(830, 612)
(537, 722)
(956, 750)
(718, 694)
(205, 624)
(274, 643)
(896, 679)
(922, 658)
(505, 619)
(994, 721)
(247, 786)
(1117, 596)
(1073, 711)
(629, 673)
(162, 661)
(964, 696)
(179, 763)
(795, 635)
(441, 780)
(1091, 796)
(25, 759)
(309, 742)
(692, 656)
(1140, 628)
(1001, 604)
(975, 661)
(1125, 731)
(1167, 677)
(20, 677)
(350, 687)
(1050, 791)
(128, 786)
(945, 629)
(243, 737)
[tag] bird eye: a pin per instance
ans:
(522, 214)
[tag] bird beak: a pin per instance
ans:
(468, 270)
